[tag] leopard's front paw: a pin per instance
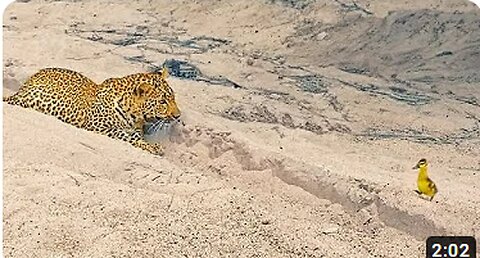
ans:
(153, 148)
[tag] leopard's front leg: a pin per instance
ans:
(135, 138)
(154, 148)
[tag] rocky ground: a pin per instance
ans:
(301, 122)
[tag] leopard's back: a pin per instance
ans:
(59, 92)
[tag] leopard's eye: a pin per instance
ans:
(163, 102)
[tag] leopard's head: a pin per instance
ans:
(153, 99)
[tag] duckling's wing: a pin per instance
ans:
(432, 186)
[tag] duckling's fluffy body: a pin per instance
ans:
(425, 185)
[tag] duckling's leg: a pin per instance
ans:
(431, 198)
(418, 192)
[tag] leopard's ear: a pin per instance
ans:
(164, 72)
(143, 89)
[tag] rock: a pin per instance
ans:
(328, 229)
(322, 35)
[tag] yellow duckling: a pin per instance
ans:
(425, 185)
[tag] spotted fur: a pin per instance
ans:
(118, 107)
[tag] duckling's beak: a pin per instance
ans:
(416, 167)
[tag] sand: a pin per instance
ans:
(297, 139)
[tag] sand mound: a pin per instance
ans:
(411, 45)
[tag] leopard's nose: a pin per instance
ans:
(175, 113)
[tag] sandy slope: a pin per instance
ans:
(309, 156)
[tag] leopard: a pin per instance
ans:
(119, 108)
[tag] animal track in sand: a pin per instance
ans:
(203, 147)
